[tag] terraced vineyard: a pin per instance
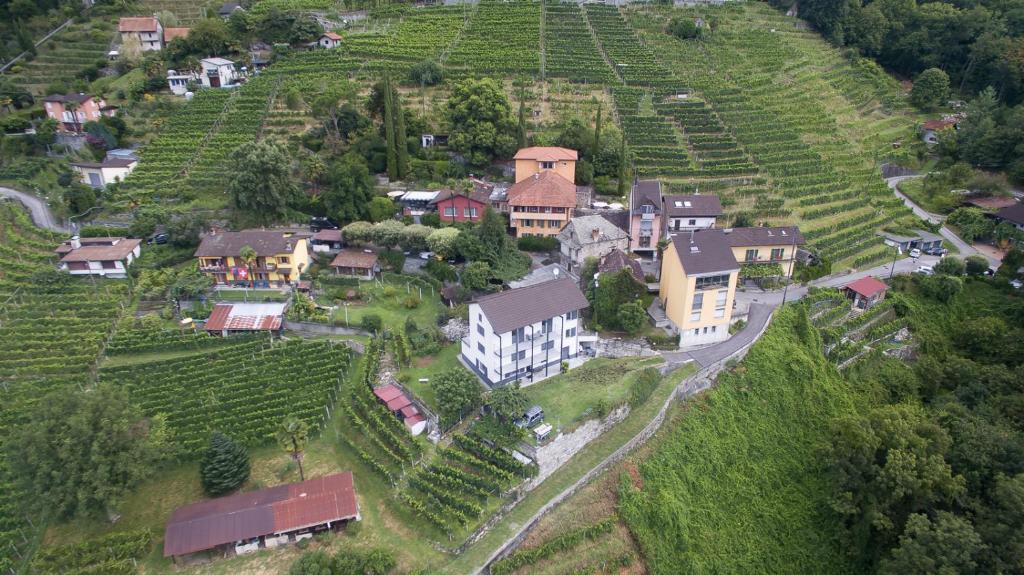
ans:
(188, 11)
(569, 47)
(657, 147)
(635, 63)
(64, 56)
(501, 38)
(419, 35)
(51, 335)
(244, 389)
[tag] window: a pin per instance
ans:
(282, 260)
(480, 317)
(645, 241)
(480, 347)
(522, 354)
(558, 210)
(547, 165)
(647, 209)
(572, 315)
(469, 212)
(719, 312)
(546, 325)
(722, 296)
(571, 332)
(693, 222)
(695, 316)
(449, 212)
(527, 223)
(696, 331)
(533, 209)
(677, 225)
(778, 253)
(705, 330)
(547, 345)
(698, 301)
(109, 265)
(480, 329)
(714, 328)
(709, 282)
(751, 256)
(554, 223)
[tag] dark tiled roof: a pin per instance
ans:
(265, 242)
(618, 218)
(1014, 213)
(704, 252)
(777, 236)
(283, 508)
(520, 307)
(646, 192)
(697, 205)
(618, 260)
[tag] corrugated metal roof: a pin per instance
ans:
(208, 524)
(245, 316)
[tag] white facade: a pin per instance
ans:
(529, 353)
(218, 72)
(685, 223)
(104, 268)
(101, 175)
(178, 83)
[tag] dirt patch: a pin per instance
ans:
(634, 475)
(424, 361)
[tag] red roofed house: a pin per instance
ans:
(266, 518)
(930, 130)
(537, 159)
(455, 207)
(328, 40)
(107, 257)
(72, 111)
(403, 408)
(147, 30)
(172, 33)
(232, 318)
(865, 292)
(541, 205)
(355, 263)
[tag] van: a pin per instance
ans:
(532, 417)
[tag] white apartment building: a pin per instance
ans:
(524, 333)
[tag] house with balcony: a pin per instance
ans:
(537, 159)
(106, 257)
(698, 286)
(72, 111)
(684, 213)
(777, 245)
(589, 237)
(645, 217)
(541, 205)
(453, 207)
(281, 257)
(146, 30)
(525, 333)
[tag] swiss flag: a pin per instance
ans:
(241, 273)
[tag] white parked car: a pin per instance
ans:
(426, 255)
(1016, 284)
(926, 270)
(915, 253)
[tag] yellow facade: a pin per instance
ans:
(538, 224)
(678, 291)
(783, 255)
(278, 268)
(527, 168)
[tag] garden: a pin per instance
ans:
(387, 303)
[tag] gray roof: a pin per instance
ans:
(618, 260)
(580, 231)
(646, 192)
(1014, 213)
(541, 275)
(694, 205)
(705, 252)
(928, 236)
(265, 242)
(516, 308)
(777, 236)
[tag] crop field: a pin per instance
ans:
(188, 11)
(419, 35)
(51, 334)
(64, 56)
(264, 6)
(501, 38)
(243, 390)
(736, 486)
(570, 50)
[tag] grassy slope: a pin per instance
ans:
(737, 488)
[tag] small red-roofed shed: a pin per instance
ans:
(865, 292)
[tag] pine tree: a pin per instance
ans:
(225, 466)
(597, 134)
(401, 140)
(389, 130)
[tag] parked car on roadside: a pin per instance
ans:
(926, 270)
(936, 251)
(915, 253)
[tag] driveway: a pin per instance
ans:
(40, 212)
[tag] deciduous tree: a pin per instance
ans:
(261, 182)
(482, 126)
(457, 391)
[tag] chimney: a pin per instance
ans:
(76, 242)
(555, 272)
(595, 233)
(288, 246)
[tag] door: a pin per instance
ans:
(215, 81)
(95, 180)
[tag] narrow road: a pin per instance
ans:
(40, 212)
(918, 210)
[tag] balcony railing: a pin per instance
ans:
(647, 216)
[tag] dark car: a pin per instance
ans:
(318, 223)
(936, 251)
(532, 417)
(158, 239)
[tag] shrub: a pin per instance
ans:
(643, 386)
(225, 467)
(440, 270)
(371, 322)
(393, 260)
(950, 266)
(411, 302)
(975, 265)
(538, 244)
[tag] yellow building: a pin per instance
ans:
(698, 286)
(766, 246)
(537, 159)
(281, 257)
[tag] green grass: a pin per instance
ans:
(249, 295)
(570, 397)
(388, 302)
(737, 486)
(429, 367)
(936, 203)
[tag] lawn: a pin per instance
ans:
(390, 301)
(429, 367)
(571, 397)
(246, 295)
(936, 203)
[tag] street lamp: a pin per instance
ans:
(596, 283)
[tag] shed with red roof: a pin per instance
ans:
(404, 409)
(865, 292)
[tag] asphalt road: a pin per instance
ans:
(40, 212)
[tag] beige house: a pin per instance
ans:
(776, 245)
(281, 257)
(146, 30)
(698, 286)
(541, 205)
(109, 171)
(537, 159)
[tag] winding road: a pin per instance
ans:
(40, 212)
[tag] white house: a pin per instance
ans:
(218, 72)
(100, 174)
(691, 212)
(328, 40)
(109, 257)
(147, 30)
(178, 81)
(524, 334)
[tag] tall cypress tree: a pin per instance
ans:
(597, 135)
(401, 141)
(522, 121)
(225, 466)
(389, 130)
(623, 169)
